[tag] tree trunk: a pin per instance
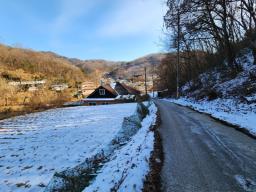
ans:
(254, 53)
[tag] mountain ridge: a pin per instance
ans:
(117, 70)
(128, 70)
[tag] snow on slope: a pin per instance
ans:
(129, 165)
(229, 110)
(223, 83)
(237, 104)
(34, 146)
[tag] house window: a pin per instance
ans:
(102, 91)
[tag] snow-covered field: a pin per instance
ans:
(33, 147)
(129, 165)
(229, 110)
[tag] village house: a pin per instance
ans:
(106, 94)
(123, 89)
(102, 95)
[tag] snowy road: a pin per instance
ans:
(202, 154)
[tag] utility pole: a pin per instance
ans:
(153, 73)
(178, 57)
(146, 88)
(153, 85)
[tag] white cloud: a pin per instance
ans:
(132, 17)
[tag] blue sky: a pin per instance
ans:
(85, 29)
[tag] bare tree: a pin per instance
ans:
(213, 29)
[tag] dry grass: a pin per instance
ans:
(26, 102)
(48, 98)
(152, 182)
(6, 91)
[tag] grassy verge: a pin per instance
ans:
(153, 179)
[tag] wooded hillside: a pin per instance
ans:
(21, 65)
(24, 64)
(205, 35)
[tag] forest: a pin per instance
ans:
(203, 35)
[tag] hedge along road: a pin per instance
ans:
(201, 154)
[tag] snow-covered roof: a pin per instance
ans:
(99, 99)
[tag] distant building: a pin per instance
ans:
(28, 85)
(59, 87)
(32, 83)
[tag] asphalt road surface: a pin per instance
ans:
(201, 154)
